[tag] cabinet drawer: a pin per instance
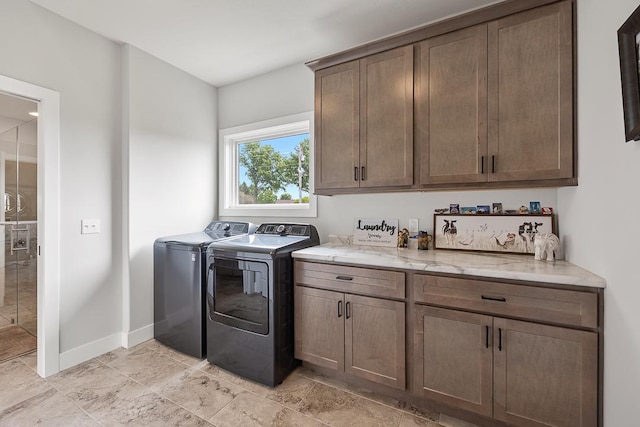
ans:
(527, 302)
(357, 280)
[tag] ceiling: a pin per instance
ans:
(225, 41)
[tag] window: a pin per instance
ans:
(266, 168)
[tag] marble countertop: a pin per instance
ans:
(491, 265)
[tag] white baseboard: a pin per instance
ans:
(104, 345)
(88, 351)
(138, 336)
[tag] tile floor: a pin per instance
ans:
(151, 384)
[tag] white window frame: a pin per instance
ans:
(229, 139)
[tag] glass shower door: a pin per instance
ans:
(18, 281)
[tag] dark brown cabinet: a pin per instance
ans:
(453, 361)
(364, 122)
(530, 94)
(492, 351)
(337, 126)
(360, 335)
(544, 375)
(494, 103)
(319, 328)
(451, 107)
(520, 372)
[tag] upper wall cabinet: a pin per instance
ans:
(337, 126)
(530, 85)
(495, 102)
(451, 107)
(493, 105)
(364, 122)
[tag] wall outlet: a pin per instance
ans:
(90, 226)
(413, 226)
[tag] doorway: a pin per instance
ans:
(48, 219)
(18, 226)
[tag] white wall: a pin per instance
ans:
(162, 182)
(172, 176)
(600, 215)
(290, 91)
(41, 48)
(280, 93)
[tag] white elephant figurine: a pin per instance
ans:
(546, 245)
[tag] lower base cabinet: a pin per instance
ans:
(492, 351)
(359, 335)
(522, 373)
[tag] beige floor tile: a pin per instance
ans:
(448, 421)
(409, 420)
(403, 406)
(291, 392)
(199, 392)
(340, 408)
(249, 410)
(152, 384)
(19, 383)
(148, 409)
(97, 388)
(146, 365)
(174, 354)
(49, 408)
(253, 386)
(104, 403)
(31, 360)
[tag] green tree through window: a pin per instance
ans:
(270, 169)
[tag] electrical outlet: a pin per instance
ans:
(90, 226)
(413, 226)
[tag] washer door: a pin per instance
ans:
(240, 291)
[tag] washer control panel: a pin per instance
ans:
(284, 229)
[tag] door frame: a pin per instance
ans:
(48, 288)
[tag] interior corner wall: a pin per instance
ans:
(290, 91)
(600, 231)
(172, 166)
(44, 49)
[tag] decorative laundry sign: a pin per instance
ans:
(375, 231)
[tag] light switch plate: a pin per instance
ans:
(90, 226)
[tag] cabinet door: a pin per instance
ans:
(375, 340)
(530, 85)
(453, 358)
(319, 327)
(544, 375)
(337, 105)
(386, 118)
(451, 107)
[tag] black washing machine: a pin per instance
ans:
(179, 285)
(250, 301)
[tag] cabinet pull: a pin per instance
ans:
(362, 174)
(339, 308)
(493, 164)
(347, 311)
(344, 278)
(482, 164)
(355, 173)
(499, 299)
(486, 337)
(499, 339)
